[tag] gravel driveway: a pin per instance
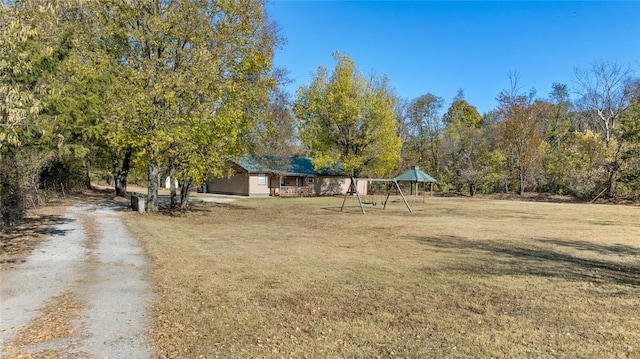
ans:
(90, 255)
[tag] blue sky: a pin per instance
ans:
(440, 47)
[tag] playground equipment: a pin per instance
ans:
(391, 184)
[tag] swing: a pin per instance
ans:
(371, 200)
(353, 187)
(384, 202)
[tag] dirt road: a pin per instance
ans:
(82, 294)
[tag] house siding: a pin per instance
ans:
(301, 179)
(256, 189)
(330, 185)
(236, 184)
(336, 185)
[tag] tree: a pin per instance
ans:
(33, 47)
(558, 121)
(96, 90)
(423, 127)
(274, 136)
(520, 132)
(603, 91)
(629, 142)
(193, 73)
(606, 91)
(584, 164)
(463, 113)
(347, 120)
(468, 155)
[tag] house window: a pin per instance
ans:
(309, 180)
(262, 179)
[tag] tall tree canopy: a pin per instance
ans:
(175, 82)
(194, 74)
(520, 132)
(349, 121)
(461, 112)
(469, 159)
(424, 128)
(603, 90)
(32, 50)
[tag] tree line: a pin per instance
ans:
(171, 86)
(587, 147)
(147, 88)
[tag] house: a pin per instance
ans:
(256, 176)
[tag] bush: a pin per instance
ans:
(63, 174)
(24, 172)
(18, 182)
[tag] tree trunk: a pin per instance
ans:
(173, 195)
(87, 173)
(120, 174)
(152, 188)
(185, 191)
(522, 183)
(472, 189)
(613, 169)
(173, 202)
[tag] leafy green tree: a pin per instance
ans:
(33, 47)
(96, 90)
(461, 112)
(558, 121)
(349, 121)
(469, 157)
(584, 163)
(630, 151)
(519, 132)
(423, 130)
(193, 73)
(558, 127)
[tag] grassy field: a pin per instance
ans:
(457, 278)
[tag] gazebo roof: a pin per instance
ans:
(415, 175)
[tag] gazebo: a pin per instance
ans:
(414, 176)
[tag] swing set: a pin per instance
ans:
(353, 189)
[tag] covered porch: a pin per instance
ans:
(292, 185)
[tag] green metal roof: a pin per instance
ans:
(415, 175)
(289, 166)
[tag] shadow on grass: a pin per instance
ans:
(199, 207)
(334, 209)
(355, 208)
(539, 259)
(617, 249)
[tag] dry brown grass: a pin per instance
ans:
(457, 278)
